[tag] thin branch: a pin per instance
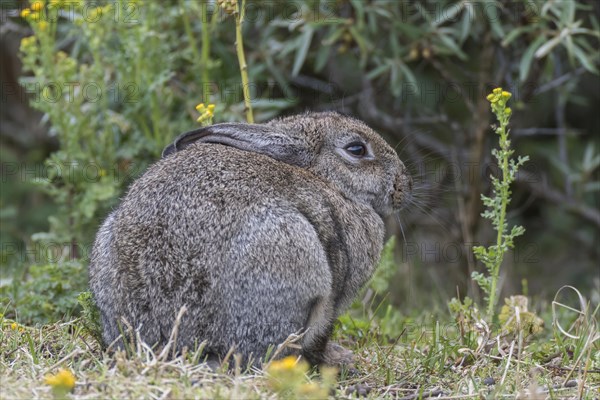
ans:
(559, 81)
(544, 132)
(540, 188)
(373, 115)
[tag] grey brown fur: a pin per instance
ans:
(260, 230)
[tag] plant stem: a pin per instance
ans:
(205, 54)
(188, 30)
(500, 237)
(239, 45)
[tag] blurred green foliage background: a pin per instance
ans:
(91, 100)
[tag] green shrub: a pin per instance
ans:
(45, 292)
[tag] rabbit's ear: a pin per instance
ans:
(250, 137)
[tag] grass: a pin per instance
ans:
(428, 358)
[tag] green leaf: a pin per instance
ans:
(590, 161)
(548, 46)
(333, 37)
(409, 75)
(467, 21)
(515, 33)
(305, 41)
(359, 7)
(452, 45)
(494, 18)
(359, 38)
(527, 58)
(322, 57)
(568, 12)
(448, 14)
(374, 73)
(591, 187)
(385, 269)
(584, 60)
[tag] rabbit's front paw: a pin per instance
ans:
(336, 355)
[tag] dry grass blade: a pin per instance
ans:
(555, 303)
(290, 342)
(172, 343)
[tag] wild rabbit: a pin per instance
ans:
(260, 230)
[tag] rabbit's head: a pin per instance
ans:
(341, 150)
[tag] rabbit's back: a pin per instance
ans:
(255, 248)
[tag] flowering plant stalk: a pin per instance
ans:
(206, 114)
(239, 46)
(496, 205)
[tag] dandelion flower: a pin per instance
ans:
(288, 363)
(62, 382)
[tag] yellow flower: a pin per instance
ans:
(206, 113)
(43, 25)
(288, 363)
(64, 380)
(413, 54)
(499, 96)
(95, 14)
(14, 326)
(34, 16)
(37, 6)
(25, 12)
(27, 42)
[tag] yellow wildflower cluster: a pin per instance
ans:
(206, 113)
(35, 14)
(62, 382)
(498, 98)
(289, 363)
(37, 6)
(98, 12)
(28, 44)
(287, 377)
(229, 6)
(14, 326)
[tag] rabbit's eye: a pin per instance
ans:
(357, 149)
